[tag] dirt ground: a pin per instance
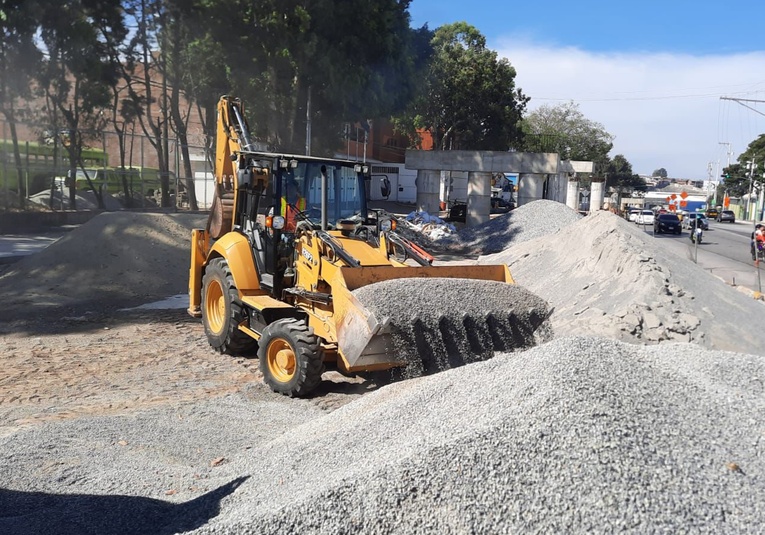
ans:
(72, 343)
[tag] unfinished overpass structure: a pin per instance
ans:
(540, 176)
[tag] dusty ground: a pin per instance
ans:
(124, 421)
(71, 346)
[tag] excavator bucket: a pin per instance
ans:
(427, 319)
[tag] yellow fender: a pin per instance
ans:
(235, 249)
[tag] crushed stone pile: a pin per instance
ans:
(527, 222)
(122, 258)
(577, 434)
(440, 323)
(604, 277)
(573, 436)
(85, 200)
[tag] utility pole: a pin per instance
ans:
(729, 152)
(308, 123)
(750, 165)
(742, 100)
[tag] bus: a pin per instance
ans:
(38, 167)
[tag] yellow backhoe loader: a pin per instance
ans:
(291, 260)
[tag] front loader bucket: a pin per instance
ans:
(430, 318)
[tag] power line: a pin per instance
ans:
(742, 100)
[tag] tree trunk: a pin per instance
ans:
(17, 159)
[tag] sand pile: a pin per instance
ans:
(442, 323)
(116, 259)
(604, 277)
(84, 199)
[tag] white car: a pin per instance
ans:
(632, 215)
(645, 217)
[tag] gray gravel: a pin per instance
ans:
(440, 323)
(605, 277)
(578, 434)
(533, 220)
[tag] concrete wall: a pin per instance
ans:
(428, 187)
(479, 198)
(482, 161)
(16, 222)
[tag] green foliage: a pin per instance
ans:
(467, 99)
(741, 177)
(620, 178)
(661, 173)
(564, 129)
(349, 59)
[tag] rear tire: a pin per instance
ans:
(291, 358)
(222, 312)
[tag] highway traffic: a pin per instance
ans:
(724, 252)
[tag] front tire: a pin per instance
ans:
(222, 312)
(291, 358)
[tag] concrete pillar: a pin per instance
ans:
(596, 194)
(530, 187)
(428, 183)
(572, 194)
(478, 198)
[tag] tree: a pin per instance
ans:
(661, 173)
(307, 67)
(77, 73)
(620, 178)
(19, 59)
(564, 129)
(740, 179)
(468, 98)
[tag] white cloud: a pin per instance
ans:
(664, 109)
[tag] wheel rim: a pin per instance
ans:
(281, 360)
(215, 307)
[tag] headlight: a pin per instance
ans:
(277, 222)
(386, 225)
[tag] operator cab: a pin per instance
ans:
(307, 185)
(321, 193)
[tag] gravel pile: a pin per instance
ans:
(578, 434)
(440, 323)
(604, 277)
(533, 220)
(120, 258)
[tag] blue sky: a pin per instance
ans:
(652, 73)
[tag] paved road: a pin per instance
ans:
(16, 246)
(724, 252)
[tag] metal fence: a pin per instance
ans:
(132, 182)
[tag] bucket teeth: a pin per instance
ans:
(447, 331)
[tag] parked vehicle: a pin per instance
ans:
(689, 221)
(726, 216)
(632, 215)
(645, 217)
(667, 223)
